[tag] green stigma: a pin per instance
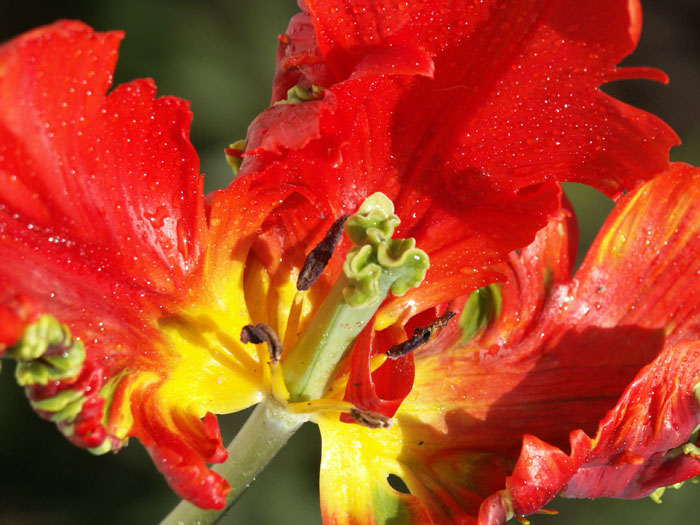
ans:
(377, 262)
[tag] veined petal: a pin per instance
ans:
(643, 264)
(528, 60)
(354, 487)
(641, 272)
(63, 141)
(479, 111)
(640, 445)
(570, 398)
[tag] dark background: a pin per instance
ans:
(220, 55)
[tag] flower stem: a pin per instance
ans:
(265, 432)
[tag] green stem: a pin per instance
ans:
(265, 432)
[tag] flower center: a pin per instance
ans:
(374, 266)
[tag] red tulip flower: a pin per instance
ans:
(374, 267)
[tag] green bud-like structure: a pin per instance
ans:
(481, 308)
(233, 155)
(47, 352)
(298, 94)
(65, 405)
(376, 265)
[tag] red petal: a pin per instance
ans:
(180, 447)
(348, 31)
(641, 272)
(642, 268)
(383, 390)
(515, 85)
(554, 369)
(111, 170)
(102, 225)
(469, 145)
(634, 451)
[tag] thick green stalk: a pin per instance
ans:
(265, 432)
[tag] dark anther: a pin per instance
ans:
(317, 260)
(261, 333)
(370, 419)
(421, 335)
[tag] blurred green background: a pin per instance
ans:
(220, 55)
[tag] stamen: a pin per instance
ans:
(421, 335)
(294, 319)
(261, 333)
(279, 389)
(273, 378)
(318, 259)
(370, 419)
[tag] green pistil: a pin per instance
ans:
(298, 94)
(373, 267)
(47, 352)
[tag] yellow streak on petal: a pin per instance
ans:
(121, 419)
(355, 463)
(211, 370)
(615, 238)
